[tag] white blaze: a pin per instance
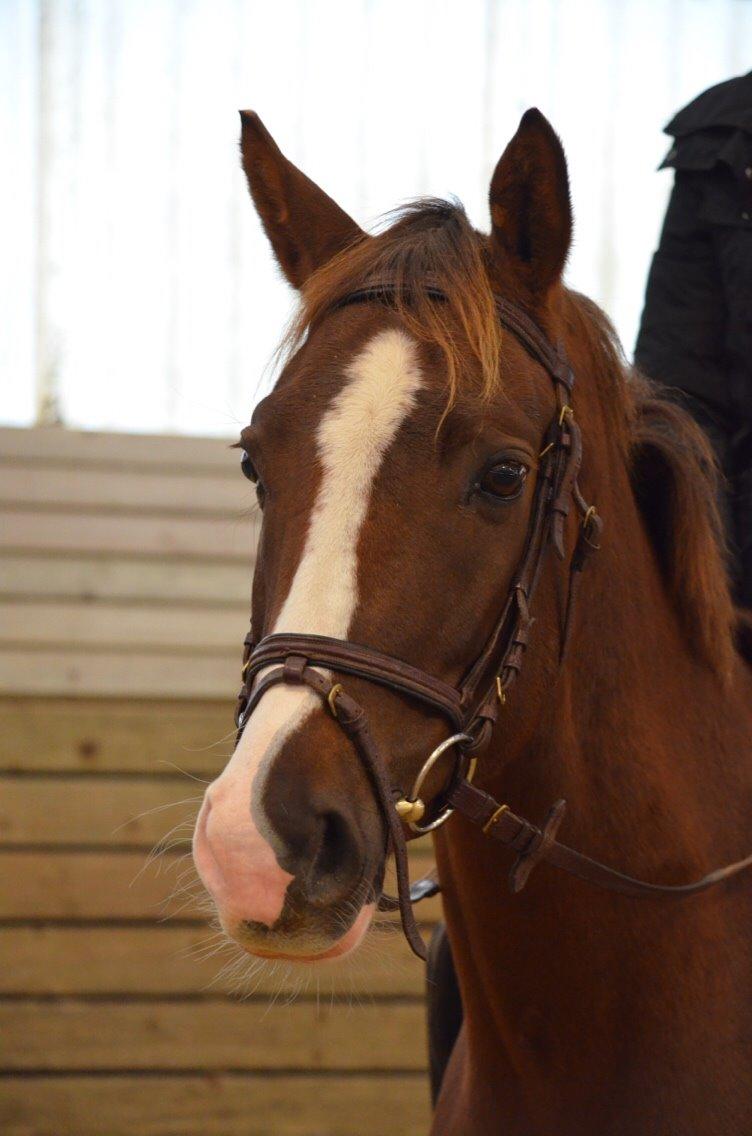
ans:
(351, 441)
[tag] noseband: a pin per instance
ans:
(472, 707)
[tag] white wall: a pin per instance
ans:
(135, 283)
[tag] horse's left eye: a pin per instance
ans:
(504, 480)
(248, 468)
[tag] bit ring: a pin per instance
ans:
(428, 764)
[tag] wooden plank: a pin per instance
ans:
(216, 1105)
(136, 674)
(35, 623)
(100, 810)
(165, 451)
(94, 885)
(53, 486)
(122, 735)
(144, 960)
(205, 537)
(120, 885)
(108, 1036)
(95, 810)
(97, 577)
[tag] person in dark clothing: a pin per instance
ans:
(696, 328)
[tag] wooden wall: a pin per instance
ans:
(124, 575)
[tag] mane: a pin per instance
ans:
(430, 245)
(677, 486)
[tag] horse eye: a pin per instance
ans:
(249, 471)
(504, 480)
(248, 468)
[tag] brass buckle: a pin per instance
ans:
(589, 517)
(331, 698)
(493, 819)
(565, 414)
(412, 809)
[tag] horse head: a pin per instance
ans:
(400, 464)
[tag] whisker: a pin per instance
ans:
(202, 749)
(161, 847)
(192, 776)
(156, 809)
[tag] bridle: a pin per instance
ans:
(472, 707)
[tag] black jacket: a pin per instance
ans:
(696, 328)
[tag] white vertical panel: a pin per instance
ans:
(267, 79)
(134, 275)
(450, 121)
(124, 277)
(19, 58)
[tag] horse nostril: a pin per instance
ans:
(336, 843)
(336, 860)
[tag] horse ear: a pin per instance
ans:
(305, 227)
(531, 214)
(676, 486)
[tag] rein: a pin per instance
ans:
(472, 707)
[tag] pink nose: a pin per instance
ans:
(236, 864)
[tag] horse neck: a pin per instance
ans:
(623, 731)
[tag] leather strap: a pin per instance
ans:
(352, 718)
(350, 658)
(533, 845)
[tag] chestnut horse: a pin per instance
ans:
(396, 463)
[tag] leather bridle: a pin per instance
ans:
(472, 707)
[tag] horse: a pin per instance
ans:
(423, 441)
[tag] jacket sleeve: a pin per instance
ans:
(681, 336)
